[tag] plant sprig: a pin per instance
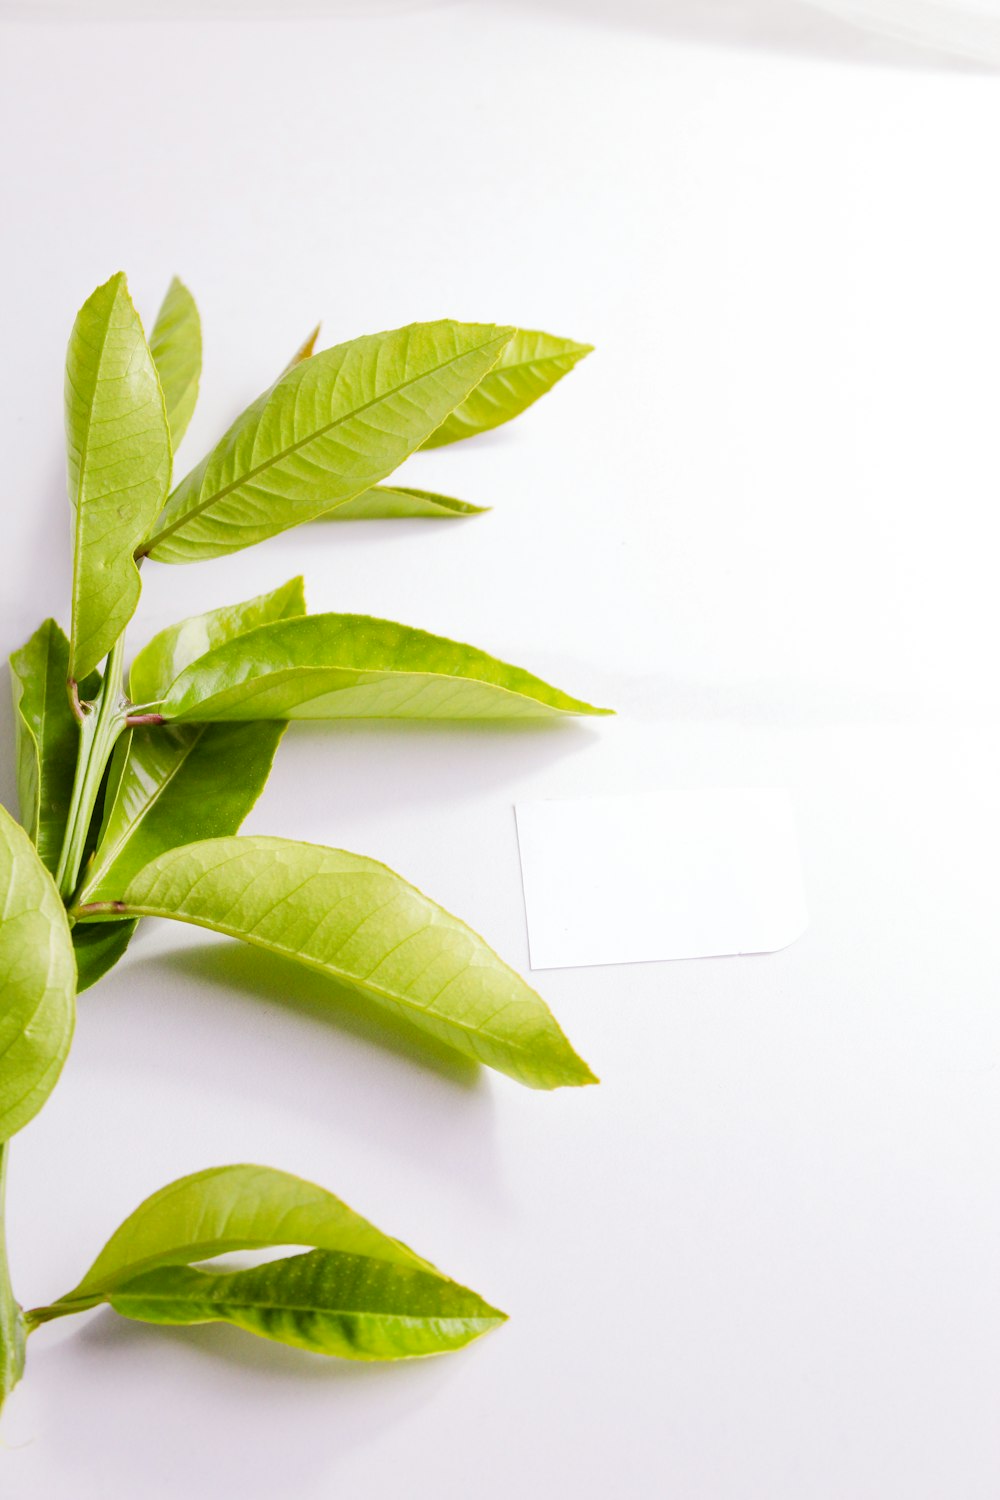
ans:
(133, 785)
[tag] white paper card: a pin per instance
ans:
(680, 874)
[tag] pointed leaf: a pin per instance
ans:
(168, 653)
(306, 350)
(529, 366)
(357, 921)
(37, 980)
(98, 947)
(175, 344)
(48, 738)
(118, 459)
(333, 426)
(175, 784)
(328, 1303)
(352, 666)
(224, 1209)
(383, 503)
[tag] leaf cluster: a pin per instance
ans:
(133, 786)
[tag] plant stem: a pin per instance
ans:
(11, 1321)
(100, 727)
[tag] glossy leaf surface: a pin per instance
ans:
(529, 366)
(167, 654)
(331, 427)
(225, 1209)
(384, 503)
(98, 948)
(360, 923)
(353, 666)
(118, 461)
(37, 980)
(175, 344)
(344, 1305)
(47, 736)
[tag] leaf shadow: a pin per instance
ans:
(272, 980)
(108, 1333)
(482, 756)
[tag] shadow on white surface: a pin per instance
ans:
(265, 1399)
(271, 980)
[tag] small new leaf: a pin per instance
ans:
(37, 980)
(175, 344)
(118, 462)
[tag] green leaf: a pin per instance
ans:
(529, 366)
(357, 921)
(383, 503)
(48, 738)
(327, 1303)
(331, 427)
(37, 980)
(118, 459)
(98, 947)
(176, 784)
(352, 666)
(175, 344)
(224, 1209)
(168, 653)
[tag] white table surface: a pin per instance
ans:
(761, 1261)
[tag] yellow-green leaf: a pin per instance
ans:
(334, 425)
(37, 980)
(175, 344)
(118, 461)
(530, 365)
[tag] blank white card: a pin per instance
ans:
(680, 874)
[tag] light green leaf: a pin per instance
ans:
(98, 947)
(172, 785)
(529, 366)
(118, 460)
(328, 1303)
(37, 980)
(383, 503)
(357, 921)
(224, 1209)
(352, 666)
(331, 427)
(168, 653)
(175, 344)
(48, 738)
(177, 783)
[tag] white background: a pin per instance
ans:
(761, 1261)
